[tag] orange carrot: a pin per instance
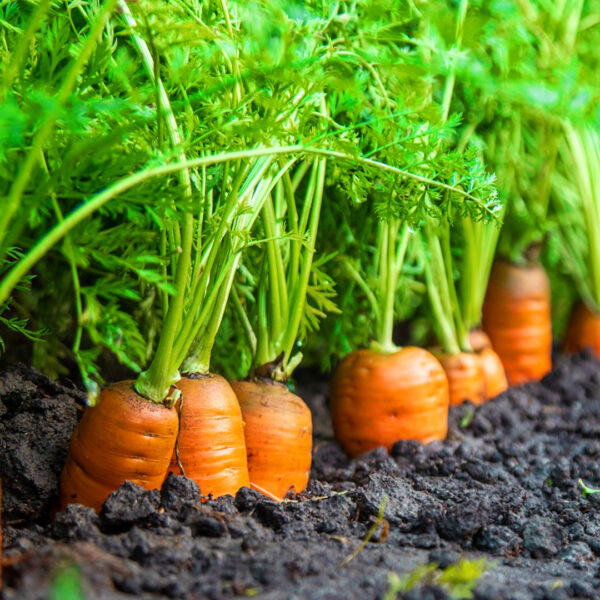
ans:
(466, 377)
(493, 369)
(378, 398)
(211, 446)
(123, 438)
(516, 316)
(583, 330)
(278, 436)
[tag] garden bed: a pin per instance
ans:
(503, 486)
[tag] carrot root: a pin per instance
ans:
(379, 398)
(278, 437)
(123, 438)
(211, 444)
(466, 377)
(516, 316)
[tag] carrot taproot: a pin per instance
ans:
(278, 427)
(516, 316)
(211, 447)
(378, 398)
(583, 330)
(124, 437)
(466, 377)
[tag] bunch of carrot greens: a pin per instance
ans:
(524, 70)
(576, 212)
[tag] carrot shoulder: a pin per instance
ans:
(378, 398)
(123, 438)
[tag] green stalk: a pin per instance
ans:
(388, 278)
(438, 290)
(155, 382)
(243, 317)
(258, 186)
(298, 293)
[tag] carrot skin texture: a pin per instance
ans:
(466, 377)
(211, 443)
(278, 436)
(379, 398)
(583, 330)
(516, 316)
(123, 438)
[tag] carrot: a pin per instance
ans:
(123, 438)
(378, 398)
(211, 446)
(466, 377)
(583, 330)
(278, 436)
(493, 369)
(516, 316)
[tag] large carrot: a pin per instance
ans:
(278, 436)
(583, 330)
(123, 438)
(211, 446)
(516, 316)
(378, 398)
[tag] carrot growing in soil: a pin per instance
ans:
(288, 294)
(383, 394)
(520, 139)
(386, 393)
(130, 433)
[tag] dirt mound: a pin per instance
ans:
(504, 486)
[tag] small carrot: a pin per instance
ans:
(516, 316)
(493, 369)
(583, 330)
(278, 436)
(211, 446)
(378, 398)
(123, 438)
(466, 377)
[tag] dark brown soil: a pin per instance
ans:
(504, 486)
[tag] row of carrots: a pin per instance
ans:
(257, 433)
(235, 209)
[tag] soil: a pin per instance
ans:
(503, 486)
